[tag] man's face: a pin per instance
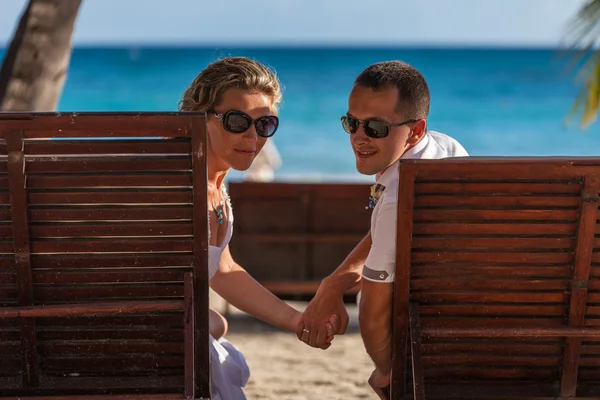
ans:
(374, 155)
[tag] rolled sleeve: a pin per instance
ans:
(381, 261)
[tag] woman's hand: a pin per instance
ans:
(303, 333)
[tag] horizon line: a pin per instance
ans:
(322, 44)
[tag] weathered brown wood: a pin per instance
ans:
(501, 255)
(62, 310)
(91, 125)
(114, 197)
(108, 147)
(107, 261)
(115, 229)
(45, 165)
(581, 273)
(111, 246)
(143, 213)
(480, 229)
(190, 378)
(167, 179)
(200, 259)
(56, 293)
(511, 332)
(141, 275)
(110, 226)
(416, 352)
(490, 201)
(449, 186)
(436, 215)
(22, 252)
(400, 323)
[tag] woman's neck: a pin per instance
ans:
(216, 177)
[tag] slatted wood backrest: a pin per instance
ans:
(112, 210)
(289, 236)
(498, 243)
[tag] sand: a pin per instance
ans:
(282, 367)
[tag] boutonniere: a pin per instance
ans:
(376, 191)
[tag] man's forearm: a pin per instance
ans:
(377, 337)
(348, 274)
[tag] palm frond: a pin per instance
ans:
(583, 35)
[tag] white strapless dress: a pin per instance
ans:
(229, 372)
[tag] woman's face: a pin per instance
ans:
(238, 150)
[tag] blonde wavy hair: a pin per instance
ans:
(206, 91)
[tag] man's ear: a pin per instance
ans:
(418, 132)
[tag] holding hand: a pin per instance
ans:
(324, 317)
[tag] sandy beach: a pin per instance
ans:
(284, 368)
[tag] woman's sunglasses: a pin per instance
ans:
(239, 122)
(373, 129)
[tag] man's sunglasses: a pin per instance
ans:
(239, 122)
(373, 129)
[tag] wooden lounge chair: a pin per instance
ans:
(103, 252)
(497, 289)
(289, 236)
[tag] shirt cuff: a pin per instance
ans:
(377, 276)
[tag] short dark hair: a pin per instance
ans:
(413, 91)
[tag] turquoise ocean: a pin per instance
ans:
(496, 102)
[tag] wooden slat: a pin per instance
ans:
(436, 215)
(492, 297)
(141, 275)
(92, 125)
(487, 332)
(492, 243)
(491, 271)
(497, 188)
(112, 246)
(104, 197)
(510, 171)
(200, 259)
(118, 229)
(122, 321)
(89, 147)
(107, 261)
(123, 180)
(113, 348)
(165, 213)
(493, 258)
(76, 165)
(16, 167)
(190, 376)
(581, 273)
(74, 294)
(477, 229)
(453, 283)
(503, 201)
(62, 310)
(152, 334)
(402, 290)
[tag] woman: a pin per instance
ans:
(240, 98)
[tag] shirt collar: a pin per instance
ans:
(391, 172)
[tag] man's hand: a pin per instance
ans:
(301, 330)
(327, 307)
(381, 384)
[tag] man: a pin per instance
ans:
(387, 120)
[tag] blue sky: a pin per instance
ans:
(457, 22)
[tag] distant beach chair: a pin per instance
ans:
(103, 275)
(289, 236)
(497, 289)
